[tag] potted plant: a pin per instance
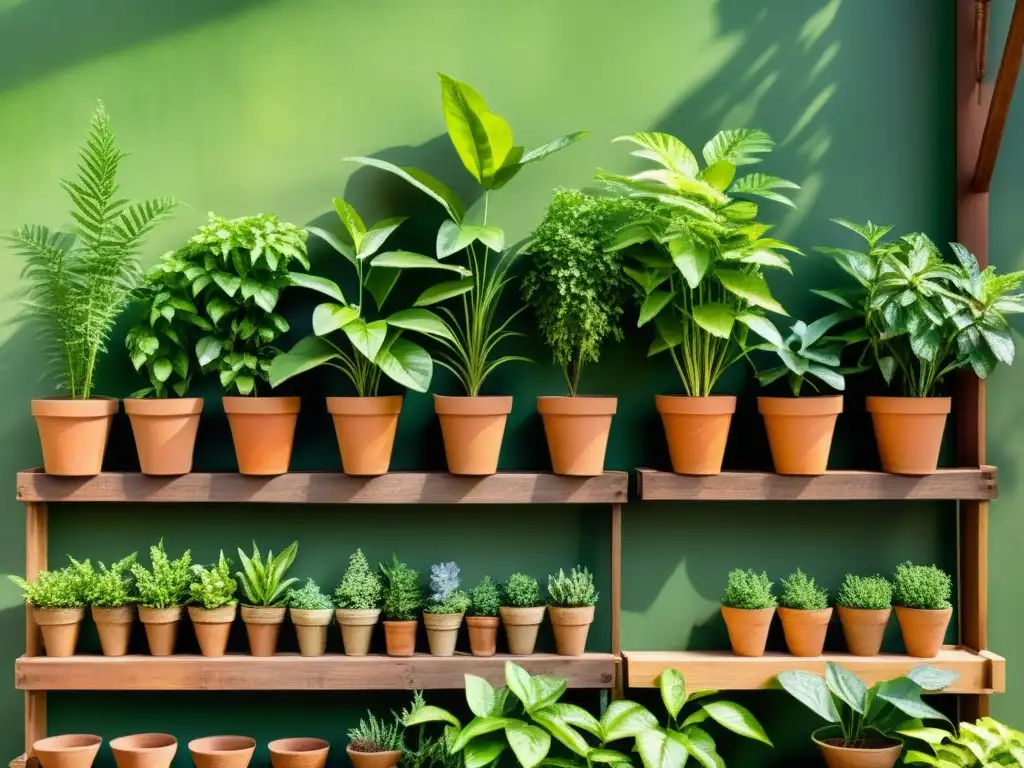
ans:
(78, 283)
(698, 260)
(112, 603)
(310, 611)
(472, 426)
(921, 595)
(401, 606)
(376, 742)
(444, 609)
(71, 750)
(482, 622)
(358, 599)
(571, 601)
(58, 601)
(266, 589)
(865, 603)
(804, 613)
(161, 593)
(983, 743)
(222, 751)
(298, 753)
(144, 750)
(214, 605)
(748, 606)
(522, 611)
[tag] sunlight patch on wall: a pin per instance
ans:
(818, 24)
(674, 626)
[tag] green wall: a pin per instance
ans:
(242, 106)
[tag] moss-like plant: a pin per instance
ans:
(167, 584)
(748, 590)
(403, 596)
(112, 587)
(922, 586)
(445, 594)
(361, 588)
(213, 586)
(309, 598)
(801, 593)
(485, 598)
(67, 587)
(572, 590)
(521, 591)
(873, 593)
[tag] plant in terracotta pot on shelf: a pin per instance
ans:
(865, 604)
(78, 283)
(805, 613)
(213, 605)
(265, 589)
(358, 600)
(472, 425)
(222, 751)
(69, 750)
(58, 600)
(748, 606)
(144, 750)
(921, 596)
(298, 753)
(111, 596)
(571, 601)
(311, 612)
(444, 609)
(698, 260)
(162, 592)
(522, 612)
(482, 621)
(402, 600)
(376, 742)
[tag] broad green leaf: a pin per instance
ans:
(452, 237)
(904, 694)
(647, 279)
(762, 326)
(422, 180)
(653, 304)
(846, 687)
(492, 237)
(431, 714)
(561, 730)
(657, 750)
(353, 223)
(409, 260)
(406, 363)
(529, 743)
(631, 234)
(482, 752)
(377, 234)
(933, 736)
(309, 353)
(208, 349)
(518, 681)
(832, 378)
(552, 146)
(544, 691)
(670, 332)
(673, 691)
(691, 259)
(624, 720)
(336, 243)
(421, 320)
(763, 185)
(665, 149)
(578, 717)
(227, 282)
(443, 291)
(481, 138)
(766, 258)
(328, 318)
(695, 718)
(719, 175)
(479, 726)
(219, 308)
(379, 283)
(479, 696)
(699, 744)
(318, 284)
(811, 691)
(162, 369)
(715, 318)
(916, 757)
(752, 288)
(739, 147)
(932, 678)
(366, 337)
(737, 719)
(608, 757)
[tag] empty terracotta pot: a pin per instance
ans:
(748, 629)
(263, 430)
(165, 433)
(373, 759)
(800, 431)
(864, 629)
(222, 751)
(115, 628)
(161, 626)
(213, 627)
(400, 638)
(908, 431)
(577, 430)
(483, 635)
(73, 433)
(60, 628)
(805, 630)
(356, 629)
(571, 626)
(697, 429)
(521, 627)
(72, 750)
(365, 427)
(298, 753)
(874, 752)
(472, 429)
(144, 750)
(923, 631)
(263, 627)
(311, 629)
(442, 632)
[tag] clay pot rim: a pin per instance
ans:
(163, 406)
(377, 405)
(485, 620)
(911, 406)
(577, 405)
(265, 406)
(53, 743)
(313, 744)
(199, 614)
(893, 743)
(759, 611)
(400, 621)
(711, 405)
(803, 611)
(476, 405)
(322, 616)
(166, 615)
(863, 610)
(202, 745)
(948, 610)
(121, 742)
(66, 407)
(814, 405)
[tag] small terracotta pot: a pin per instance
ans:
(263, 627)
(60, 628)
(73, 433)
(697, 429)
(161, 628)
(577, 430)
(923, 630)
(748, 629)
(263, 430)
(908, 431)
(800, 431)
(298, 753)
(400, 638)
(483, 635)
(165, 433)
(115, 628)
(356, 629)
(144, 750)
(213, 627)
(472, 428)
(365, 427)
(311, 629)
(72, 750)
(521, 627)
(373, 759)
(222, 751)
(442, 632)
(805, 630)
(571, 626)
(871, 753)
(864, 629)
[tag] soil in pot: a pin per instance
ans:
(161, 626)
(521, 627)
(263, 430)
(311, 629)
(73, 433)
(697, 429)
(571, 626)
(165, 433)
(144, 750)
(373, 759)
(472, 429)
(748, 629)
(298, 753)
(222, 751)
(923, 631)
(213, 627)
(483, 634)
(442, 632)
(805, 630)
(71, 750)
(400, 637)
(263, 627)
(864, 629)
(114, 626)
(868, 753)
(800, 431)
(577, 430)
(356, 629)
(60, 628)
(365, 428)
(908, 431)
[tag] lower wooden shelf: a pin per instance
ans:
(286, 672)
(980, 671)
(19, 762)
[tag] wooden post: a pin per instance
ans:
(35, 561)
(616, 599)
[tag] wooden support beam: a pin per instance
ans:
(616, 601)
(35, 561)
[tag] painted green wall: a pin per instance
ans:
(243, 106)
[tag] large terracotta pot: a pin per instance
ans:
(222, 751)
(263, 430)
(442, 632)
(365, 427)
(213, 627)
(472, 428)
(923, 630)
(577, 429)
(483, 635)
(298, 753)
(400, 637)
(908, 431)
(144, 750)
(697, 429)
(311, 629)
(571, 626)
(161, 628)
(165, 433)
(864, 629)
(872, 753)
(748, 629)
(800, 431)
(263, 627)
(114, 626)
(373, 759)
(521, 627)
(71, 750)
(805, 630)
(73, 433)
(60, 628)
(356, 629)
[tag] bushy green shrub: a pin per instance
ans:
(309, 598)
(748, 590)
(377, 735)
(922, 586)
(67, 587)
(213, 586)
(166, 585)
(445, 594)
(572, 590)
(361, 588)
(485, 598)
(521, 591)
(112, 587)
(872, 593)
(801, 593)
(402, 594)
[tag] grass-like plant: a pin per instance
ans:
(403, 596)
(67, 587)
(374, 734)
(748, 590)
(927, 587)
(521, 591)
(801, 593)
(572, 590)
(213, 586)
(264, 583)
(361, 588)
(445, 593)
(873, 593)
(485, 598)
(167, 584)
(112, 587)
(309, 598)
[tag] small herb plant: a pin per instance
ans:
(264, 584)
(309, 598)
(800, 593)
(809, 357)
(922, 586)
(213, 586)
(572, 590)
(521, 591)
(377, 735)
(167, 584)
(873, 593)
(485, 598)
(112, 587)
(402, 594)
(445, 594)
(361, 588)
(67, 587)
(748, 590)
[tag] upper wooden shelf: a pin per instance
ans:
(328, 488)
(968, 484)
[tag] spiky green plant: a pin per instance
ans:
(376, 734)
(572, 590)
(263, 583)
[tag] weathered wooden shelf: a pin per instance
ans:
(286, 672)
(967, 484)
(21, 761)
(980, 671)
(327, 488)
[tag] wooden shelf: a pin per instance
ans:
(841, 485)
(20, 761)
(327, 488)
(980, 671)
(286, 672)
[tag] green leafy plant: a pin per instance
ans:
(484, 143)
(521, 591)
(361, 588)
(801, 593)
(922, 586)
(445, 594)
(428, 751)
(808, 355)
(985, 743)
(309, 598)
(67, 587)
(112, 587)
(485, 598)
(748, 590)
(872, 593)
(213, 586)
(377, 735)
(402, 594)
(265, 583)
(572, 590)
(167, 584)
(80, 281)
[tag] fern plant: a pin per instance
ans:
(80, 281)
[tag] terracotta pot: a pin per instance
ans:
(472, 428)
(213, 627)
(442, 632)
(483, 635)
(60, 628)
(161, 628)
(800, 431)
(72, 750)
(870, 753)
(923, 631)
(864, 629)
(222, 751)
(311, 629)
(400, 637)
(365, 427)
(908, 431)
(356, 629)
(571, 626)
(115, 628)
(805, 630)
(577, 429)
(373, 759)
(521, 627)
(697, 429)
(144, 750)
(165, 433)
(73, 433)
(748, 629)
(263, 430)
(298, 753)
(263, 627)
